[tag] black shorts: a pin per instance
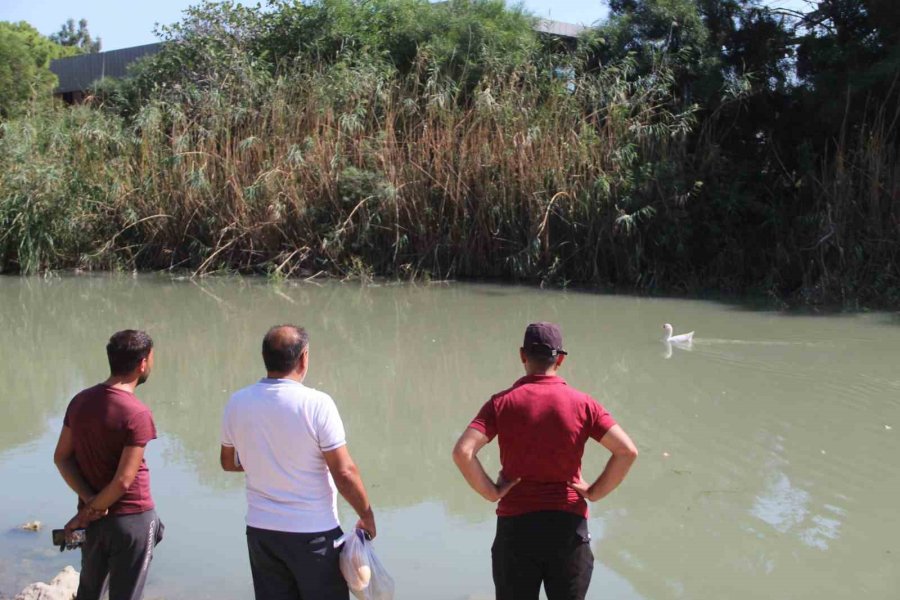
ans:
(296, 566)
(550, 547)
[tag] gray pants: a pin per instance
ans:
(119, 548)
(296, 566)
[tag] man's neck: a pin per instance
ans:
(126, 384)
(547, 373)
(293, 376)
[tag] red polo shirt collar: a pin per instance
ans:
(541, 379)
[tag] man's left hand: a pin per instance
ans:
(92, 513)
(83, 518)
(582, 487)
(79, 521)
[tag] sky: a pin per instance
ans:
(121, 24)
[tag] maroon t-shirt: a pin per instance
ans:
(104, 420)
(542, 426)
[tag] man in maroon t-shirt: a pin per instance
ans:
(100, 454)
(542, 426)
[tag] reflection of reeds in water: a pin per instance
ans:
(48, 352)
(400, 394)
(744, 490)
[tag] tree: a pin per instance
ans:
(80, 37)
(25, 74)
(222, 44)
(660, 31)
(17, 68)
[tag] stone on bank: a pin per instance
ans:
(61, 587)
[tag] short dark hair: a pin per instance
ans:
(126, 349)
(282, 347)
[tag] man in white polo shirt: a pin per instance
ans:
(289, 441)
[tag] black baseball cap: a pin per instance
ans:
(544, 339)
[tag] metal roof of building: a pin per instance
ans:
(559, 28)
(77, 73)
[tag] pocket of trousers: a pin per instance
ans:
(582, 534)
(319, 546)
(160, 529)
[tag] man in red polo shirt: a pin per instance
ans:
(100, 454)
(542, 426)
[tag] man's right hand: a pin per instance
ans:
(80, 521)
(367, 524)
(503, 486)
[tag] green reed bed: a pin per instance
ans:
(400, 139)
(344, 169)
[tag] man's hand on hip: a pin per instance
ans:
(503, 485)
(582, 487)
(624, 453)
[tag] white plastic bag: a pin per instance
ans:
(366, 576)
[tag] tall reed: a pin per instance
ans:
(347, 168)
(856, 252)
(354, 167)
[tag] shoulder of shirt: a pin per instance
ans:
(101, 388)
(318, 395)
(142, 410)
(587, 399)
(581, 394)
(301, 390)
(241, 393)
(135, 405)
(505, 392)
(576, 394)
(88, 390)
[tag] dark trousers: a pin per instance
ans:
(119, 548)
(296, 566)
(548, 547)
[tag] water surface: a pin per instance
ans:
(769, 450)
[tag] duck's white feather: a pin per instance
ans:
(682, 338)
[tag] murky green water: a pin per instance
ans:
(770, 463)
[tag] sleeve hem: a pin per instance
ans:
(479, 427)
(331, 447)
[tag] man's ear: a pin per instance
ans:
(304, 359)
(522, 356)
(559, 360)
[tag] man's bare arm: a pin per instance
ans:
(350, 485)
(64, 458)
(624, 453)
(129, 464)
(465, 455)
(228, 460)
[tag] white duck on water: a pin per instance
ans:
(682, 338)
